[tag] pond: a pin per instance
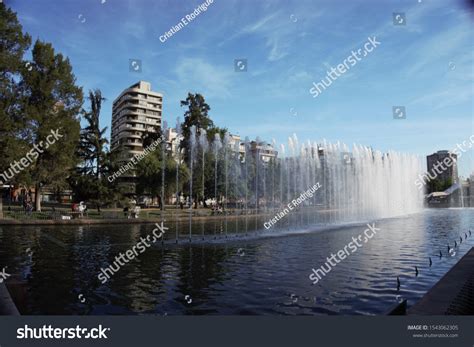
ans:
(245, 273)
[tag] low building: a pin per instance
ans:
(173, 141)
(264, 150)
(471, 190)
(237, 146)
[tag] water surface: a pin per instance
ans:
(257, 274)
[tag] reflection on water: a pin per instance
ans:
(241, 275)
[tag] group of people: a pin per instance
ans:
(217, 209)
(79, 209)
(133, 213)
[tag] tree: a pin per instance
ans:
(149, 175)
(86, 187)
(197, 115)
(439, 185)
(13, 44)
(93, 140)
(53, 103)
(91, 184)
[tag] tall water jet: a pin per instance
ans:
(237, 181)
(257, 197)
(257, 169)
(178, 152)
(246, 144)
(163, 168)
(282, 153)
(226, 173)
(204, 145)
(216, 144)
(178, 162)
(192, 143)
(273, 166)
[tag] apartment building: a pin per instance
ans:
(265, 151)
(450, 172)
(136, 111)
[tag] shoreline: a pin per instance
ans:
(109, 221)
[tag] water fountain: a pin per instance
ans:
(357, 184)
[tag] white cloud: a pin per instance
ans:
(277, 30)
(204, 77)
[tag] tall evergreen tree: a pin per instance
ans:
(197, 115)
(13, 44)
(53, 105)
(93, 139)
(89, 182)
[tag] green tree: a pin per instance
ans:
(99, 191)
(439, 185)
(91, 183)
(93, 139)
(53, 104)
(197, 115)
(447, 183)
(13, 44)
(149, 175)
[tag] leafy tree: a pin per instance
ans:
(99, 191)
(13, 44)
(196, 115)
(149, 175)
(91, 183)
(53, 103)
(439, 185)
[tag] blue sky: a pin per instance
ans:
(426, 65)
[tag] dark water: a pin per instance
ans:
(241, 275)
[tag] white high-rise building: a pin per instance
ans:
(136, 111)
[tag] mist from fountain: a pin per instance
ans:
(357, 184)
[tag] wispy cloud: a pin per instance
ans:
(200, 75)
(277, 30)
